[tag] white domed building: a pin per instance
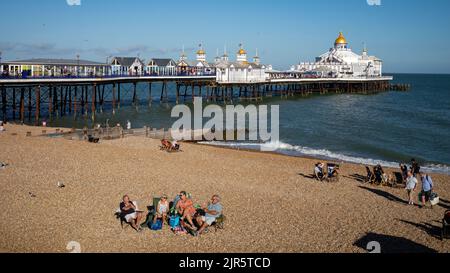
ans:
(240, 71)
(341, 62)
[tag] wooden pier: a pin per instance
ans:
(35, 100)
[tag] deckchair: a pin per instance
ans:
(121, 217)
(332, 172)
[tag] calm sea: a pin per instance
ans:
(386, 128)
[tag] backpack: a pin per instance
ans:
(174, 221)
(156, 226)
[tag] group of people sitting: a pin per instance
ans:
(170, 146)
(378, 176)
(181, 214)
(329, 171)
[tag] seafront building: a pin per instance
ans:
(341, 62)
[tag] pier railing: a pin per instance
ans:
(111, 76)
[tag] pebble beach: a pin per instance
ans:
(271, 202)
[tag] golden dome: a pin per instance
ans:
(241, 52)
(341, 39)
(201, 52)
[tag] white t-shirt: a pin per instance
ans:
(411, 183)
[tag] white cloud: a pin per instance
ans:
(73, 2)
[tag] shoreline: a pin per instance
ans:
(271, 203)
(384, 163)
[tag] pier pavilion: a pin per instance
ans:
(163, 67)
(132, 66)
(341, 62)
(54, 68)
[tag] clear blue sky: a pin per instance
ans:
(409, 35)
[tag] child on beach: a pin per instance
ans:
(162, 210)
(2, 129)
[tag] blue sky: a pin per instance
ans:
(409, 35)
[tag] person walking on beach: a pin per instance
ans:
(404, 171)
(411, 183)
(415, 168)
(427, 188)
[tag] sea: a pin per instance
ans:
(386, 128)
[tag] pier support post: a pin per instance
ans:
(4, 104)
(178, 93)
(135, 95)
(70, 100)
(38, 104)
(75, 103)
(93, 98)
(150, 99)
(102, 98)
(29, 104)
(114, 99)
(118, 95)
(22, 105)
(50, 102)
(14, 103)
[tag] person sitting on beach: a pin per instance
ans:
(162, 209)
(411, 183)
(318, 171)
(186, 210)
(370, 177)
(212, 211)
(378, 172)
(404, 171)
(128, 211)
(2, 129)
(427, 188)
(175, 145)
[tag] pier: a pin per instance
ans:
(34, 100)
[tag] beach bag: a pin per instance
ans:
(434, 199)
(174, 221)
(156, 226)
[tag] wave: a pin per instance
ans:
(294, 150)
